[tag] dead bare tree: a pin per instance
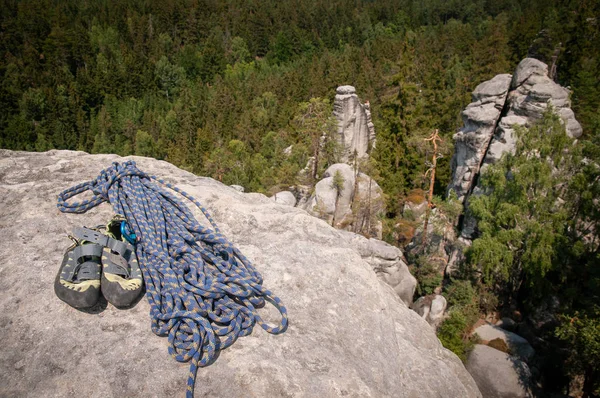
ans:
(435, 139)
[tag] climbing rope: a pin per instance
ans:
(203, 292)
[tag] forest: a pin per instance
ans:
(219, 88)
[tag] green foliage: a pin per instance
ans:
(338, 182)
(521, 221)
(581, 333)
(428, 276)
(453, 333)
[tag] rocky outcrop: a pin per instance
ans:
(471, 142)
(431, 308)
(355, 130)
(498, 106)
(353, 206)
(532, 91)
(349, 333)
(499, 375)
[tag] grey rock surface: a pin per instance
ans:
(498, 106)
(238, 188)
(471, 142)
(355, 131)
(349, 333)
(518, 345)
(285, 197)
(356, 207)
(497, 374)
(431, 308)
(388, 263)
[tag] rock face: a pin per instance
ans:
(471, 142)
(497, 374)
(498, 105)
(355, 207)
(517, 345)
(349, 333)
(388, 263)
(431, 308)
(355, 132)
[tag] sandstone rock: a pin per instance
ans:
(498, 374)
(355, 133)
(388, 263)
(517, 344)
(431, 308)
(355, 208)
(498, 106)
(532, 91)
(349, 333)
(285, 197)
(471, 142)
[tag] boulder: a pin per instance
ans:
(238, 188)
(431, 308)
(355, 130)
(285, 197)
(356, 207)
(499, 375)
(349, 333)
(517, 345)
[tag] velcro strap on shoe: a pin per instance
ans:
(92, 250)
(118, 247)
(115, 264)
(87, 271)
(96, 237)
(90, 236)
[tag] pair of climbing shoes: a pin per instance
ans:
(98, 262)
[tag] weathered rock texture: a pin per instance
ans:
(498, 374)
(471, 142)
(285, 197)
(355, 207)
(388, 263)
(355, 133)
(498, 105)
(349, 333)
(431, 308)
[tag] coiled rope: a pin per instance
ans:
(202, 291)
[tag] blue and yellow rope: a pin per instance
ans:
(202, 291)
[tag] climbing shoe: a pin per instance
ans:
(121, 281)
(78, 280)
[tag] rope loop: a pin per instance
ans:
(203, 293)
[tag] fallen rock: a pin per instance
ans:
(431, 308)
(499, 375)
(349, 333)
(285, 197)
(517, 345)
